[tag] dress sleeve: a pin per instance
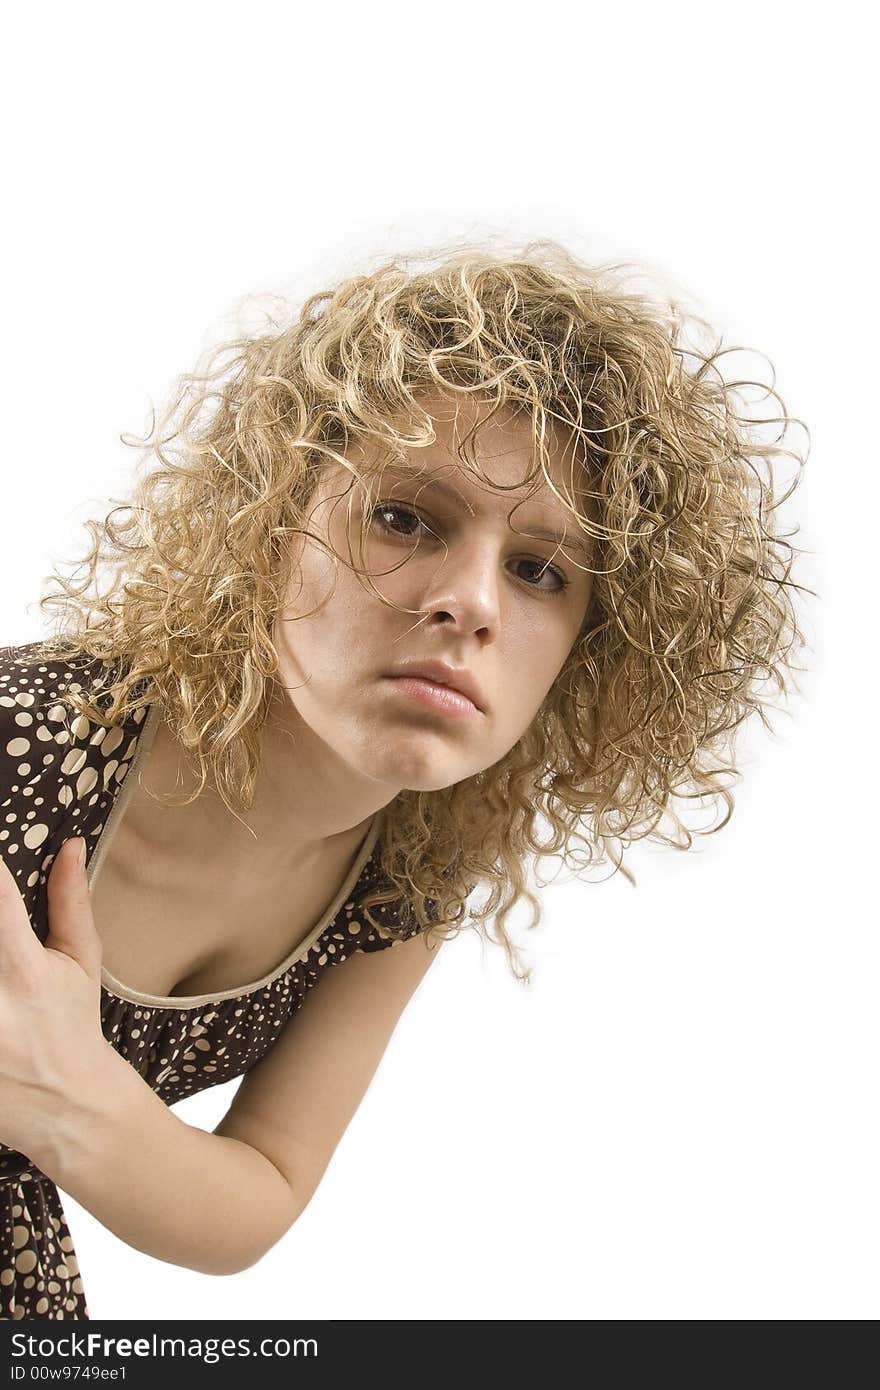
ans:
(371, 940)
(39, 1275)
(399, 915)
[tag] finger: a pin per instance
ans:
(71, 922)
(19, 944)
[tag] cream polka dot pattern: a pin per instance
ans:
(49, 793)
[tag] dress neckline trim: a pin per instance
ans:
(119, 990)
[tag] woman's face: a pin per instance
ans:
(501, 606)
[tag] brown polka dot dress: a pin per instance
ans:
(48, 794)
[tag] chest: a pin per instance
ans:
(169, 929)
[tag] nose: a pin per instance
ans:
(464, 585)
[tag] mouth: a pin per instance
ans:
(444, 699)
(432, 671)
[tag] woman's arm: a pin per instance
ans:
(216, 1203)
(167, 1188)
(296, 1103)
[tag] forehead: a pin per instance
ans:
(478, 454)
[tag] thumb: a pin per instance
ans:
(71, 923)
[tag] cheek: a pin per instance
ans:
(542, 647)
(314, 588)
(330, 620)
(305, 606)
(531, 675)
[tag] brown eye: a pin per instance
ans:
(543, 568)
(386, 509)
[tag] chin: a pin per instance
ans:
(431, 785)
(421, 774)
(425, 779)
(414, 761)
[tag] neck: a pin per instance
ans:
(307, 802)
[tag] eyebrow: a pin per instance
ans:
(558, 538)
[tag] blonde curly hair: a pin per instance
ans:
(691, 614)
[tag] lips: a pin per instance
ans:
(457, 678)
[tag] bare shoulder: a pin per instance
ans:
(296, 1103)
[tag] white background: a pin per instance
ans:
(679, 1119)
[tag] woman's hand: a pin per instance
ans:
(52, 1052)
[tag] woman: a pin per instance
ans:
(456, 554)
